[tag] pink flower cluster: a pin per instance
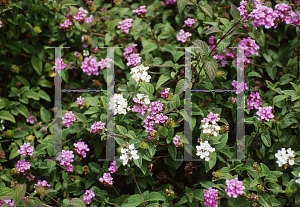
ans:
(0, 24)
(43, 183)
(66, 25)
(89, 65)
(30, 177)
(31, 120)
(89, 195)
(107, 178)
(112, 168)
(182, 36)
(189, 22)
(80, 101)
(165, 93)
(69, 119)
(140, 104)
(132, 57)
(255, 101)
(81, 15)
(65, 158)
(62, 64)
(97, 127)
(80, 148)
(265, 113)
(89, 19)
(239, 87)
(10, 202)
(104, 63)
(154, 108)
(234, 188)
(140, 11)
(248, 47)
(263, 16)
(22, 165)
(210, 197)
(224, 55)
(125, 25)
(25, 149)
(175, 140)
(211, 117)
(171, 2)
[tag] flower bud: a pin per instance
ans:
(119, 150)
(40, 190)
(260, 188)
(30, 138)
(15, 69)
(288, 192)
(144, 145)
(9, 133)
(220, 74)
(86, 104)
(37, 29)
(14, 171)
(92, 8)
(118, 4)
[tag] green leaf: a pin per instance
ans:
(95, 167)
(196, 110)
(181, 5)
(13, 153)
(45, 115)
(19, 193)
(23, 80)
(212, 30)
(155, 196)
(6, 192)
(222, 45)
(108, 38)
(37, 65)
(254, 74)
(177, 55)
(5, 115)
(211, 69)
(42, 94)
(23, 110)
(147, 87)
(45, 83)
(265, 137)
(122, 130)
(213, 160)
(175, 101)
(272, 71)
(279, 98)
(149, 48)
(234, 12)
(172, 151)
(28, 203)
(92, 110)
(207, 9)
(162, 79)
(179, 87)
(67, 2)
(31, 94)
(52, 165)
(133, 201)
(77, 202)
(265, 170)
(20, 134)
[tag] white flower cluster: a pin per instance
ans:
(142, 98)
(298, 180)
(284, 156)
(128, 154)
(139, 73)
(118, 104)
(86, 53)
(211, 129)
(204, 150)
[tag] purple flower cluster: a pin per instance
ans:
(140, 11)
(31, 120)
(89, 195)
(81, 15)
(125, 25)
(265, 113)
(175, 140)
(69, 119)
(165, 93)
(89, 19)
(211, 117)
(0, 24)
(263, 16)
(132, 57)
(140, 104)
(66, 25)
(239, 87)
(97, 127)
(43, 183)
(112, 168)
(234, 187)
(247, 46)
(107, 178)
(90, 65)
(224, 55)
(189, 22)
(210, 197)
(62, 64)
(171, 2)
(30, 177)
(22, 165)
(65, 159)
(104, 63)
(10, 202)
(80, 148)
(80, 101)
(255, 101)
(25, 149)
(154, 108)
(182, 36)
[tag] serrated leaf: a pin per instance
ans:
(45, 115)
(37, 65)
(272, 71)
(172, 151)
(181, 5)
(162, 79)
(92, 110)
(108, 38)
(278, 98)
(147, 87)
(122, 130)
(5, 115)
(14, 153)
(207, 9)
(201, 46)
(95, 167)
(213, 30)
(179, 87)
(222, 45)
(155, 196)
(265, 137)
(211, 69)
(149, 48)
(234, 12)
(19, 193)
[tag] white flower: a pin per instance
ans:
(118, 104)
(285, 156)
(85, 53)
(297, 181)
(139, 73)
(204, 150)
(128, 154)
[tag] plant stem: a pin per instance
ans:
(54, 200)
(138, 188)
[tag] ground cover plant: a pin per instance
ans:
(149, 103)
